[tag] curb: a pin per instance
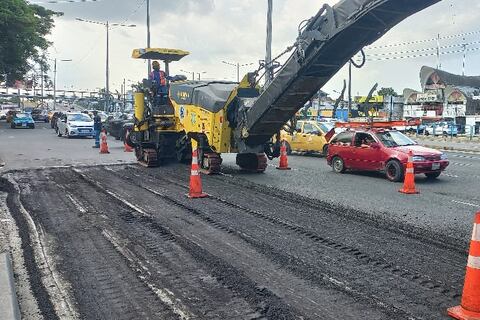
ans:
(9, 309)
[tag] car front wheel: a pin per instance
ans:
(394, 171)
(338, 165)
(433, 175)
(325, 150)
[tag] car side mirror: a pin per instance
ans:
(375, 145)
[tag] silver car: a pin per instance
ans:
(75, 124)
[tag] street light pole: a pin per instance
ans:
(107, 67)
(349, 89)
(107, 71)
(55, 85)
(148, 35)
(268, 56)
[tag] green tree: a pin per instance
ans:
(387, 92)
(24, 28)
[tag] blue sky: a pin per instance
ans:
(234, 30)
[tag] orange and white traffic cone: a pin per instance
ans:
(409, 182)
(283, 164)
(195, 180)
(127, 148)
(469, 308)
(103, 142)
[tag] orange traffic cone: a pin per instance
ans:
(103, 143)
(469, 309)
(127, 148)
(195, 180)
(409, 182)
(283, 165)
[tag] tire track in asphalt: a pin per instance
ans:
(88, 262)
(223, 259)
(162, 264)
(373, 262)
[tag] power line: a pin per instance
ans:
(62, 1)
(421, 50)
(140, 4)
(424, 40)
(423, 55)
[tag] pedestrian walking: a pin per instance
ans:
(97, 127)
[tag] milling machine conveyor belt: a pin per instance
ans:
(328, 41)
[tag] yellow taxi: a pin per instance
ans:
(309, 136)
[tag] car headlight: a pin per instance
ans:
(418, 158)
(71, 126)
(443, 156)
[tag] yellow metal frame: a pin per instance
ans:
(163, 54)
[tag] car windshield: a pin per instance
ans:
(394, 139)
(22, 115)
(326, 126)
(79, 117)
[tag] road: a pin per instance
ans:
(446, 205)
(40, 147)
(121, 241)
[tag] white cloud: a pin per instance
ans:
(234, 30)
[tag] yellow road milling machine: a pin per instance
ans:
(228, 117)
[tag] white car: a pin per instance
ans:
(75, 124)
(441, 128)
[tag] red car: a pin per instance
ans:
(383, 150)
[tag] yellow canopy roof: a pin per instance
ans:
(163, 54)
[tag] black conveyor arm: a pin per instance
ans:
(328, 41)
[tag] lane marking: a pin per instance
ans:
(450, 175)
(461, 164)
(467, 203)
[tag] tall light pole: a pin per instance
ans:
(349, 89)
(55, 80)
(148, 35)
(107, 25)
(237, 65)
(268, 55)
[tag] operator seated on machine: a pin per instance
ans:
(159, 84)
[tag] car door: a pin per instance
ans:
(366, 156)
(343, 147)
(306, 136)
(297, 137)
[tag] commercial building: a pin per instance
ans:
(445, 95)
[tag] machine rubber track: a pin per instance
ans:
(212, 163)
(252, 162)
(147, 157)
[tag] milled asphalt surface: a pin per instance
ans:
(446, 205)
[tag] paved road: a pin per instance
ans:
(124, 242)
(446, 205)
(249, 251)
(27, 148)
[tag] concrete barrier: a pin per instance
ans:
(9, 309)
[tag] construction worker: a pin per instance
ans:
(159, 84)
(97, 127)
